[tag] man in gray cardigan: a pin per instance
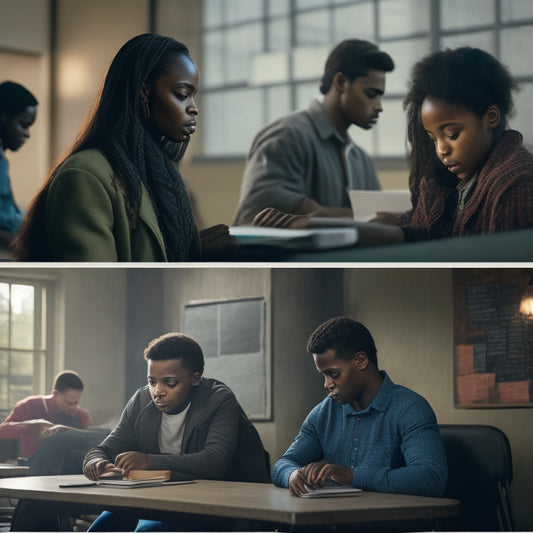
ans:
(182, 422)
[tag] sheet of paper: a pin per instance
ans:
(366, 204)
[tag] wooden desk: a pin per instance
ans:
(247, 501)
(9, 470)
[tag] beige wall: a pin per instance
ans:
(25, 59)
(410, 313)
(88, 36)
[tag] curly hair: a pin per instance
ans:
(176, 346)
(466, 77)
(345, 336)
(139, 157)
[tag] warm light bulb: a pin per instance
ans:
(526, 306)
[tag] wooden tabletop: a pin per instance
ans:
(9, 470)
(253, 501)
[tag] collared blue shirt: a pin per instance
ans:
(393, 445)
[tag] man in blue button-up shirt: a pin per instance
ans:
(368, 432)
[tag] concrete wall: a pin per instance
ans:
(296, 306)
(91, 334)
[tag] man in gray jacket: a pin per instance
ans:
(305, 162)
(182, 422)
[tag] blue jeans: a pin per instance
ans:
(131, 520)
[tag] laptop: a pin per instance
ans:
(366, 204)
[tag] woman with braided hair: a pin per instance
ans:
(118, 195)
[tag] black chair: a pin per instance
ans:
(480, 472)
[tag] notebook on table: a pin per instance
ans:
(318, 238)
(331, 489)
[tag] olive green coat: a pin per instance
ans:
(86, 218)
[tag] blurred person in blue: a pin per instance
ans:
(18, 111)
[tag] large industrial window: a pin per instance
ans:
(264, 58)
(24, 340)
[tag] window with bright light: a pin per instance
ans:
(24, 358)
(264, 58)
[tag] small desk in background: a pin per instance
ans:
(9, 470)
(368, 511)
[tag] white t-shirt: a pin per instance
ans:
(171, 432)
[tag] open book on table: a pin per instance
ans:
(331, 488)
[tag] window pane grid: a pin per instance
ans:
(297, 36)
(23, 351)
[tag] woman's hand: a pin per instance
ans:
(216, 243)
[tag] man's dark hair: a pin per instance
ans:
(345, 336)
(67, 379)
(14, 98)
(176, 346)
(354, 58)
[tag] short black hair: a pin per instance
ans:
(176, 346)
(14, 98)
(68, 379)
(354, 58)
(345, 336)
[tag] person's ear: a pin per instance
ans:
(493, 116)
(339, 82)
(195, 378)
(361, 360)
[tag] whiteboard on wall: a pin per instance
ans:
(234, 340)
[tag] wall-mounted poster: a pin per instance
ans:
(493, 337)
(232, 334)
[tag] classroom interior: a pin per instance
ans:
(258, 59)
(100, 320)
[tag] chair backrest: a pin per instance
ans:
(480, 472)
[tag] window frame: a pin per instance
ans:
(435, 34)
(44, 363)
